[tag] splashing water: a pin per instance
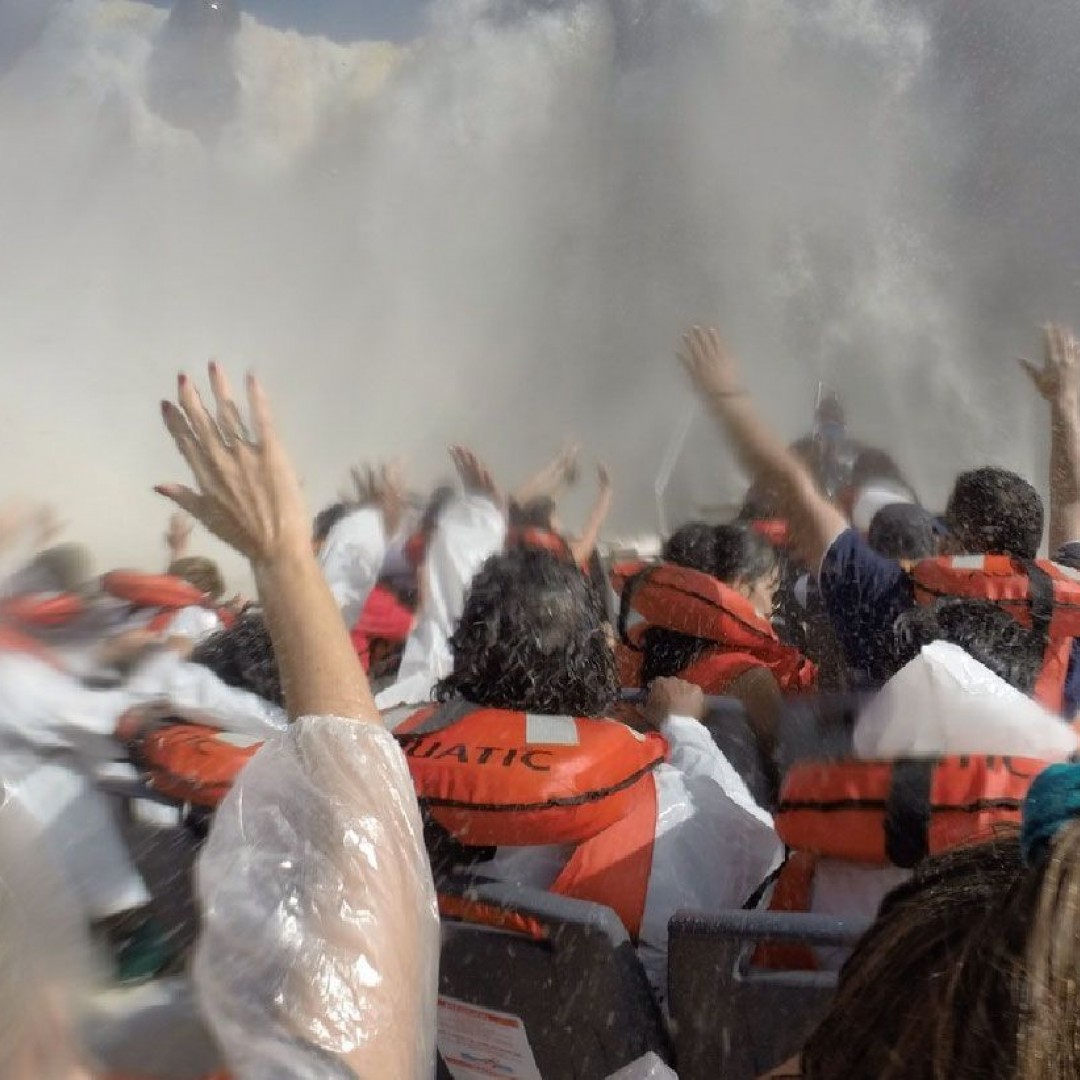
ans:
(496, 232)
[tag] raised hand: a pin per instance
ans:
(1058, 378)
(475, 475)
(710, 364)
(247, 493)
(178, 534)
(381, 486)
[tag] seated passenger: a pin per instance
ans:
(711, 626)
(532, 643)
(971, 967)
(953, 731)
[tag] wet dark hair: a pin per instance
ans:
(982, 629)
(243, 657)
(969, 973)
(535, 514)
(742, 555)
(326, 519)
(692, 545)
(729, 553)
(532, 637)
(905, 531)
(995, 512)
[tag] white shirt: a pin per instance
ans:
(320, 926)
(713, 846)
(351, 559)
(470, 530)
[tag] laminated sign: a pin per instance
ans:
(478, 1043)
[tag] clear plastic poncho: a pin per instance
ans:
(320, 948)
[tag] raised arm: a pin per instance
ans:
(320, 933)
(583, 547)
(1058, 382)
(550, 481)
(712, 368)
(247, 494)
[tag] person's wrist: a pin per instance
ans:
(1065, 406)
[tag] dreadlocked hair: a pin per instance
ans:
(243, 657)
(533, 637)
(969, 973)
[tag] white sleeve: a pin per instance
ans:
(320, 943)
(351, 560)
(195, 623)
(48, 710)
(694, 753)
(470, 530)
(197, 694)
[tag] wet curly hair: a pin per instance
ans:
(533, 637)
(242, 656)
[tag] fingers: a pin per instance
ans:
(262, 417)
(1034, 372)
(229, 421)
(176, 421)
(188, 500)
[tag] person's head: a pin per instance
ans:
(536, 513)
(201, 572)
(994, 512)
(242, 656)
(982, 629)
(692, 545)
(749, 564)
(533, 637)
(905, 531)
(971, 968)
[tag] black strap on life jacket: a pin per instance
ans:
(907, 812)
(1040, 601)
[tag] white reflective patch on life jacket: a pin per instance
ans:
(633, 618)
(551, 730)
(969, 562)
(1067, 571)
(242, 742)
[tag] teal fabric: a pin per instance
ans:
(1052, 800)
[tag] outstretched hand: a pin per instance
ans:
(178, 533)
(1058, 378)
(710, 363)
(247, 493)
(475, 475)
(382, 486)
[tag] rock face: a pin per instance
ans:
(192, 79)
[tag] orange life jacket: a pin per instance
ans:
(776, 531)
(165, 593)
(13, 640)
(899, 812)
(1040, 594)
(496, 777)
(42, 611)
(690, 602)
(882, 813)
(190, 763)
(533, 536)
